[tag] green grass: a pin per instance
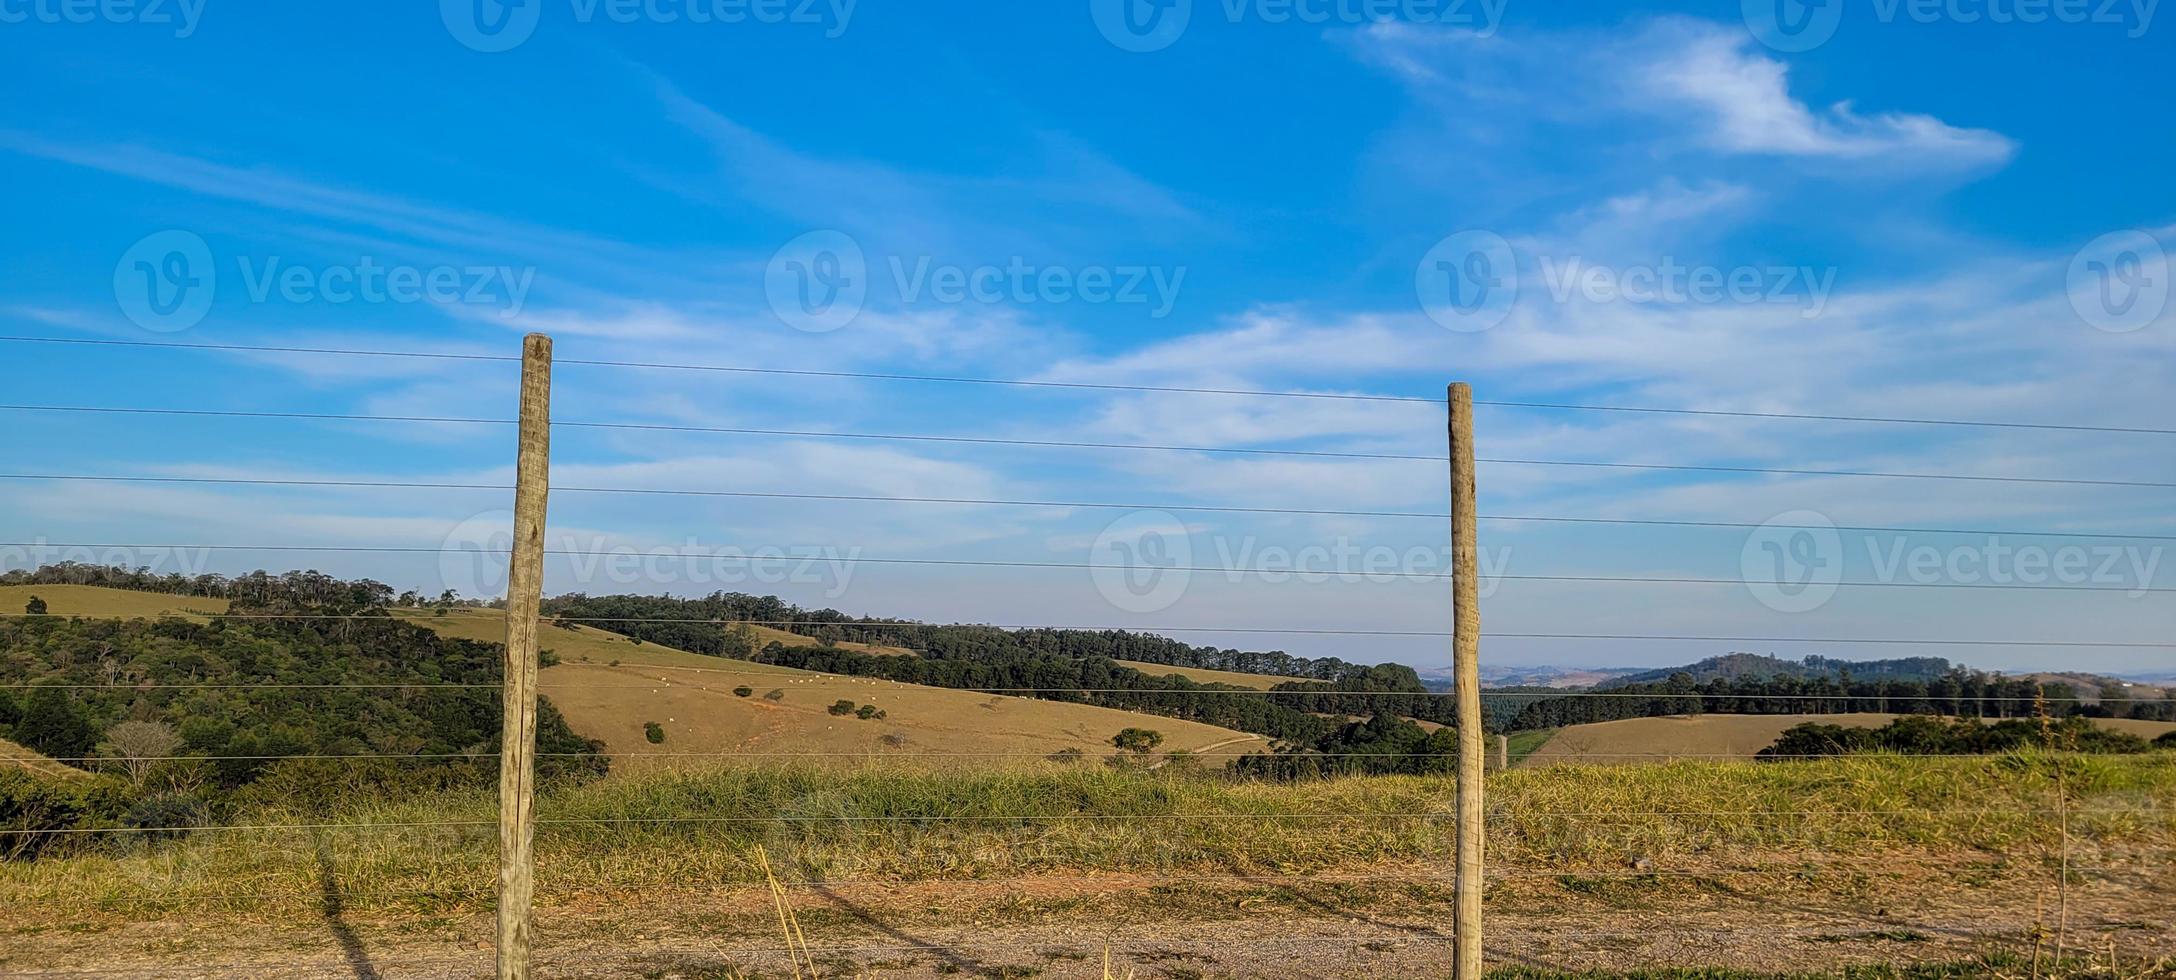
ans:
(1519, 745)
(896, 824)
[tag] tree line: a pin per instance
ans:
(1930, 735)
(702, 625)
(1961, 693)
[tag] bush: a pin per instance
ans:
(654, 732)
(1067, 755)
(32, 802)
(841, 707)
(2166, 741)
(167, 816)
(743, 691)
(775, 694)
(35, 606)
(867, 712)
(1138, 740)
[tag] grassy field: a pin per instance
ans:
(1780, 869)
(608, 687)
(1259, 682)
(92, 600)
(1637, 740)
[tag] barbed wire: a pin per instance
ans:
(1500, 461)
(308, 891)
(1031, 818)
(1297, 572)
(1092, 386)
(1150, 630)
(876, 755)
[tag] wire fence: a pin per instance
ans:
(2059, 812)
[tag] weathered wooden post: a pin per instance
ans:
(524, 596)
(1466, 663)
(1503, 752)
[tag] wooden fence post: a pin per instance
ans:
(1466, 663)
(524, 596)
(1503, 752)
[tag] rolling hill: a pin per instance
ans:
(609, 686)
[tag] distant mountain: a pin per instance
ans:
(1733, 666)
(1441, 678)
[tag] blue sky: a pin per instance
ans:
(1935, 211)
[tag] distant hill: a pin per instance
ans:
(1749, 666)
(1556, 677)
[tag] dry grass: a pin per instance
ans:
(96, 601)
(666, 832)
(12, 754)
(608, 686)
(1203, 675)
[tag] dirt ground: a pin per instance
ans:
(1060, 927)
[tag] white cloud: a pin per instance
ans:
(1688, 84)
(1745, 100)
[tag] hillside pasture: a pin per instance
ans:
(101, 602)
(1647, 740)
(609, 687)
(1203, 675)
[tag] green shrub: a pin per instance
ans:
(1138, 740)
(35, 606)
(867, 712)
(775, 694)
(743, 691)
(654, 732)
(29, 801)
(841, 707)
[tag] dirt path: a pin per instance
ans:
(1061, 928)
